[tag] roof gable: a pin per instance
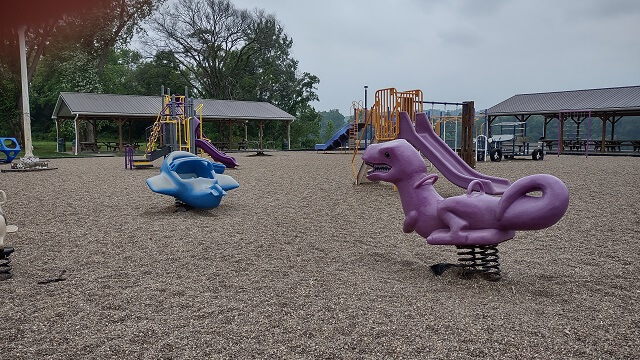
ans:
(607, 99)
(71, 104)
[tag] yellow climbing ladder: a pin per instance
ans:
(178, 119)
(358, 117)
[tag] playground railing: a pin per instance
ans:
(128, 157)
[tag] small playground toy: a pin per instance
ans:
(10, 148)
(194, 181)
(509, 139)
(475, 222)
(5, 251)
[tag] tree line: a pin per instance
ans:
(211, 47)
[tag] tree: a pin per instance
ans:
(305, 130)
(332, 117)
(230, 53)
(208, 38)
(119, 20)
(163, 69)
(328, 131)
(89, 32)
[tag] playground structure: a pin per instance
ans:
(440, 125)
(192, 180)
(384, 117)
(10, 148)
(5, 251)
(443, 130)
(177, 128)
(475, 222)
(346, 137)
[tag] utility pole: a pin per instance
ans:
(26, 115)
(366, 113)
(28, 162)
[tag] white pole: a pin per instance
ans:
(455, 141)
(444, 130)
(57, 135)
(26, 116)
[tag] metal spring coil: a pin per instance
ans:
(482, 259)
(5, 262)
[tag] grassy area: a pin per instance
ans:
(48, 150)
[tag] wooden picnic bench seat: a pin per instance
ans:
(221, 145)
(89, 146)
(547, 143)
(111, 145)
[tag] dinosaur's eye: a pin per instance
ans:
(386, 154)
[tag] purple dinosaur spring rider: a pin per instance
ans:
(474, 222)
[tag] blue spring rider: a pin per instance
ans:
(10, 148)
(195, 181)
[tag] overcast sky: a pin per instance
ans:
(457, 50)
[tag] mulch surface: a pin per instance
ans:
(300, 263)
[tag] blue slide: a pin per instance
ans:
(338, 138)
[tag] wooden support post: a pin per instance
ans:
(289, 134)
(544, 127)
(613, 124)
(76, 124)
(490, 120)
(466, 149)
(130, 131)
(260, 125)
(95, 130)
(230, 134)
(560, 134)
(604, 119)
(120, 135)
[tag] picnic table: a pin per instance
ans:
(111, 145)
(582, 144)
(548, 143)
(221, 145)
(89, 146)
(610, 145)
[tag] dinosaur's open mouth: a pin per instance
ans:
(378, 168)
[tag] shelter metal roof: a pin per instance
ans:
(618, 99)
(94, 105)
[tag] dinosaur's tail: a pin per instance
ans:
(519, 211)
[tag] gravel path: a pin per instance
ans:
(300, 263)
